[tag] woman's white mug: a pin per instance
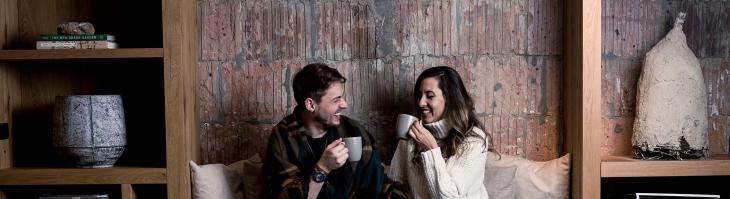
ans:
(404, 123)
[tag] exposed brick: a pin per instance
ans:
(217, 40)
(719, 134)
(617, 134)
(483, 40)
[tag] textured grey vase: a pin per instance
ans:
(89, 130)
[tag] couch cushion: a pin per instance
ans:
(531, 179)
(216, 181)
(499, 181)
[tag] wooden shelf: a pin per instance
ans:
(70, 176)
(21, 55)
(624, 166)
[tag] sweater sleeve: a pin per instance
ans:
(397, 171)
(462, 177)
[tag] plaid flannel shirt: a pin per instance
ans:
(289, 162)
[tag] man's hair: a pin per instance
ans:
(313, 80)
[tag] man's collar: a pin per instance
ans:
(297, 125)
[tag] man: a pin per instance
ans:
(305, 155)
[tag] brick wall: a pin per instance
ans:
(508, 51)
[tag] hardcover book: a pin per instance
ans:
(95, 37)
(89, 196)
(75, 45)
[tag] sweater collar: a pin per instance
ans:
(439, 129)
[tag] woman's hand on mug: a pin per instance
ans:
(421, 135)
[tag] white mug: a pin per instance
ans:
(403, 124)
(354, 147)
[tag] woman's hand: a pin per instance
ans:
(422, 136)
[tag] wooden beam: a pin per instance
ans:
(180, 54)
(624, 166)
(71, 176)
(582, 95)
(67, 54)
(128, 192)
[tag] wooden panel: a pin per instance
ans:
(5, 144)
(81, 54)
(624, 166)
(128, 192)
(181, 100)
(583, 98)
(9, 23)
(4, 95)
(12, 97)
(114, 175)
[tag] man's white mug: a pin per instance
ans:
(404, 123)
(354, 147)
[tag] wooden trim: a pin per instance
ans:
(181, 114)
(5, 161)
(624, 166)
(128, 192)
(9, 23)
(67, 176)
(121, 53)
(5, 153)
(13, 99)
(582, 95)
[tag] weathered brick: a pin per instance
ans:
(719, 134)
(617, 134)
(217, 40)
(480, 39)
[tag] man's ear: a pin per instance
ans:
(310, 105)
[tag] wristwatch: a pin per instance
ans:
(319, 176)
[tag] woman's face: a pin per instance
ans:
(431, 104)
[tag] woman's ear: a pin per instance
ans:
(310, 105)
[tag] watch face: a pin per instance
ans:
(319, 177)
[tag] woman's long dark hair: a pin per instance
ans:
(458, 110)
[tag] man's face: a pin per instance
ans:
(330, 107)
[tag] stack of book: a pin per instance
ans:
(95, 41)
(87, 196)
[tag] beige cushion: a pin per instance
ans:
(499, 181)
(241, 179)
(549, 179)
(217, 181)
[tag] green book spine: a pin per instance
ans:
(95, 37)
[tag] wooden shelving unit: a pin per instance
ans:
(71, 176)
(7, 55)
(154, 70)
(624, 166)
(582, 107)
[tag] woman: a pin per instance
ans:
(446, 153)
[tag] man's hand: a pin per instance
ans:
(333, 157)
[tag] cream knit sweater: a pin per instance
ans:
(458, 177)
